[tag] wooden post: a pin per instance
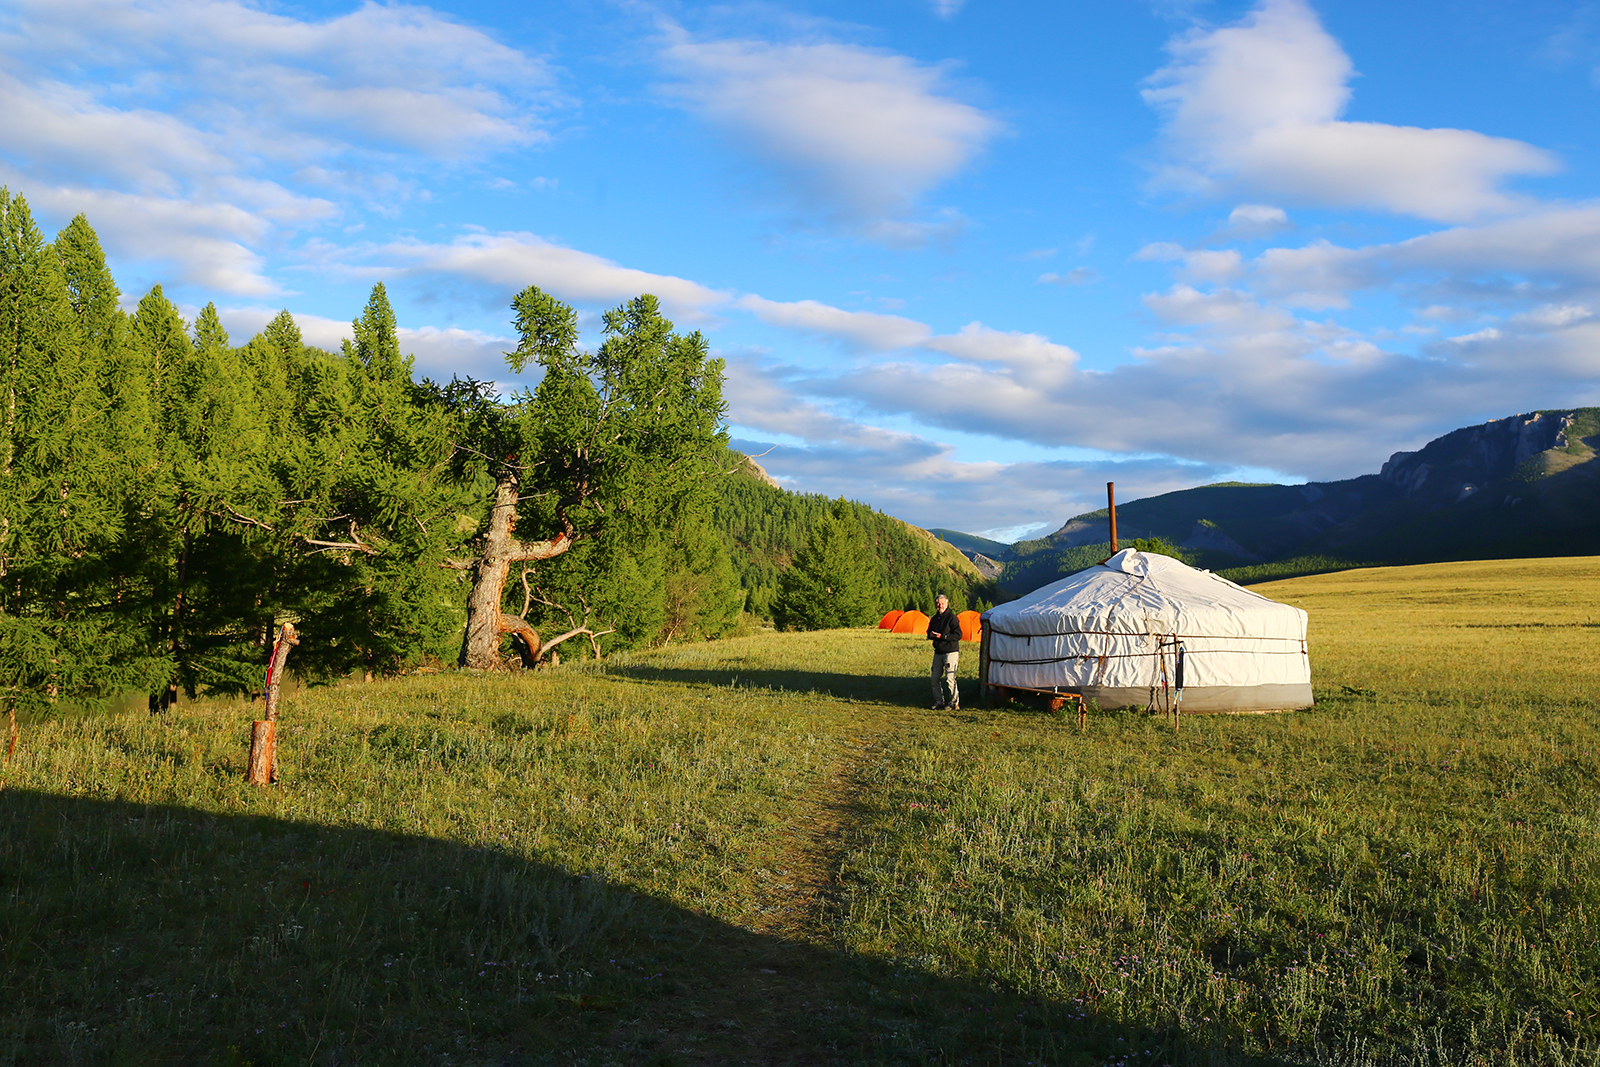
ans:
(287, 638)
(1111, 502)
(264, 732)
(263, 751)
(983, 669)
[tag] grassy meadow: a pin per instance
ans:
(766, 850)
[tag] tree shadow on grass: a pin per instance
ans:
(898, 690)
(136, 934)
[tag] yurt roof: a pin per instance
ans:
(1145, 592)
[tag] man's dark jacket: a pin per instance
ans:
(945, 629)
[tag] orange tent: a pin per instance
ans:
(888, 621)
(971, 625)
(912, 622)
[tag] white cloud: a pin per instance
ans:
(1269, 400)
(59, 131)
(1559, 244)
(1035, 360)
(858, 135)
(1555, 316)
(1237, 379)
(1249, 222)
(1548, 253)
(445, 353)
(208, 244)
(1075, 276)
(919, 479)
(1254, 107)
(943, 228)
(394, 76)
(163, 120)
(441, 354)
(1161, 252)
(1552, 341)
(1318, 275)
(1211, 265)
(758, 398)
(515, 260)
(859, 329)
(243, 323)
(1262, 215)
(1229, 310)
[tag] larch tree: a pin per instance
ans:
(365, 511)
(608, 437)
(388, 507)
(833, 581)
(191, 566)
(61, 472)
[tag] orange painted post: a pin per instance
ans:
(264, 732)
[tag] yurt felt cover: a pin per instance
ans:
(889, 619)
(971, 625)
(912, 622)
(1111, 633)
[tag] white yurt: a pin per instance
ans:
(1127, 632)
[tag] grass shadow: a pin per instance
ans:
(894, 690)
(135, 934)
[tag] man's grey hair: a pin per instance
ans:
(940, 596)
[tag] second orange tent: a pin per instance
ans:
(911, 622)
(971, 625)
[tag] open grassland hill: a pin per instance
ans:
(763, 850)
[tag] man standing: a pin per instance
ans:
(944, 630)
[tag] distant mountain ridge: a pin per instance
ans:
(1526, 485)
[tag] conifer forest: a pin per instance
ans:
(169, 496)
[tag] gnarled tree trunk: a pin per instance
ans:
(480, 647)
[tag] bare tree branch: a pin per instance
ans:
(247, 520)
(543, 598)
(736, 466)
(355, 544)
(344, 546)
(527, 593)
(593, 636)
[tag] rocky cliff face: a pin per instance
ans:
(759, 473)
(1528, 484)
(1459, 464)
(989, 568)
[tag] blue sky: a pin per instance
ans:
(966, 261)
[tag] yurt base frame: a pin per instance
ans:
(1060, 698)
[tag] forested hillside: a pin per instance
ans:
(766, 526)
(167, 497)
